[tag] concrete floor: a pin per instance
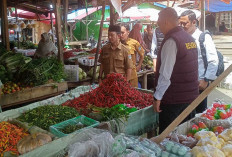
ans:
(224, 95)
(224, 45)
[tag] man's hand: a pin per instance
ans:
(138, 68)
(203, 84)
(156, 106)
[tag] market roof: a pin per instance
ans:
(45, 6)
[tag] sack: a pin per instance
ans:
(203, 53)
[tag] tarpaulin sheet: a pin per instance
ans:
(218, 5)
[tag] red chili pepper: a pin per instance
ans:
(114, 90)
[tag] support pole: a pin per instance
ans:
(53, 38)
(16, 15)
(202, 24)
(219, 21)
(4, 20)
(65, 17)
(112, 15)
(58, 30)
(99, 41)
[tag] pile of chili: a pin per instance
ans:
(10, 135)
(112, 91)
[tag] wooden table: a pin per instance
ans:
(78, 43)
(33, 94)
(79, 83)
(144, 75)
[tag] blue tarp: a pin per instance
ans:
(217, 6)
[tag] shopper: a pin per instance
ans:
(148, 36)
(115, 57)
(134, 48)
(188, 21)
(157, 39)
(136, 34)
(176, 81)
(46, 48)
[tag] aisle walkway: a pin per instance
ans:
(222, 94)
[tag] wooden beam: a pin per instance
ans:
(58, 30)
(4, 20)
(16, 15)
(112, 15)
(99, 42)
(65, 15)
(192, 106)
(202, 24)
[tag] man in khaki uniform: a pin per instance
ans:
(134, 47)
(115, 57)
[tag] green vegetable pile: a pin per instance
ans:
(115, 112)
(40, 71)
(71, 128)
(13, 61)
(147, 63)
(45, 116)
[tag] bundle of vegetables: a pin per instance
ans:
(147, 63)
(112, 91)
(5, 75)
(13, 61)
(82, 74)
(45, 116)
(10, 135)
(115, 112)
(40, 71)
(28, 45)
(90, 72)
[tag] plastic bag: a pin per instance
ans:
(98, 146)
(207, 151)
(174, 149)
(227, 150)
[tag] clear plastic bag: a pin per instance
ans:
(175, 149)
(207, 151)
(97, 146)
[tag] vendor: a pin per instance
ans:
(115, 57)
(134, 47)
(46, 48)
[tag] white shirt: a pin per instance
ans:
(168, 58)
(211, 55)
(153, 46)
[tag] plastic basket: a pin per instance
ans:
(56, 129)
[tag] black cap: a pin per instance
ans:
(114, 28)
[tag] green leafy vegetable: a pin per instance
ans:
(40, 71)
(45, 116)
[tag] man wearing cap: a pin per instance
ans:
(115, 57)
(134, 47)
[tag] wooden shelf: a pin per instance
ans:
(33, 94)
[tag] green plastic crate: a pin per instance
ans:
(56, 129)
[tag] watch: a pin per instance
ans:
(206, 80)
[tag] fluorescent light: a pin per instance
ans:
(51, 6)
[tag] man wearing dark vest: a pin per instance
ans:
(176, 81)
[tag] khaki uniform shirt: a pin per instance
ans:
(134, 47)
(115, 61)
